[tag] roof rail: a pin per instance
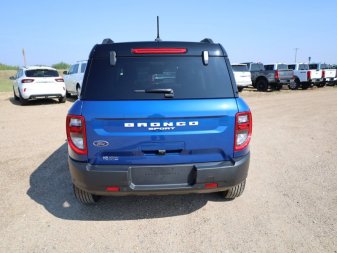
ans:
(107, 41)
(207, 40)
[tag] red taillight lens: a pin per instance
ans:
(59, 80)
(323, 73)
(159, 50)
(308, 75)
(243, 130)
(277, 74)
(27, 80)
(76, 134)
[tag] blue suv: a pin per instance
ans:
(158, 118)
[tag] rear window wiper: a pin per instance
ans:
(168, 92)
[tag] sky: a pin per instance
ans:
(264, 31)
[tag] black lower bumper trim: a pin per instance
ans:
(158, 179)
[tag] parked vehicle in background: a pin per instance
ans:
(73, 78)
(242, 76)
(328, 73)
(273, 77)
(303, 76)
(158, 118)
(38, 82)
(316, 75)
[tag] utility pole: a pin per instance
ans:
(24, 57)
(296, 53)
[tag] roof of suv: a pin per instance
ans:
(124, 49)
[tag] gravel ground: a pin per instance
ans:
(289, 204)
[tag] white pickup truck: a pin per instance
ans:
(304, 77)
(242, 76)
(328, 73)
(73, 78)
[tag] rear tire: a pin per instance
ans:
(235, 191)
(240, 89)
(62, 99)
(22, 100)
(15, 96)
(85, 197)
(262, 85)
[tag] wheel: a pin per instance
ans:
(68, 95)
(277, 86)
(15, 96)
(62, 99)
(262, 84)
(235, 191)
(320, 85)
(305, 86)
(294, 85)
(22, 100)
(240, 89)
(78, 91)
(84, 197)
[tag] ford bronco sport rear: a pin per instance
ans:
(158, 118)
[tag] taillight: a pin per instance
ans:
(76, 134)
(159, 50)
(59, 80)
(277, 74)
(27, 80)
(243, 130)
(323, 73)
(308, 75)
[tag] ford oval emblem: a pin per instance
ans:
(100, 143)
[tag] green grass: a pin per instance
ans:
(7, 67)
(5, 83)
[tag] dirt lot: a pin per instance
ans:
(290, 202)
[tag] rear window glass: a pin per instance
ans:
(282, 66)
(303, 67)
(83, 66)
(41, 73)
(292, 66)
(269, 67)
(256, 67)
(313, 66)
(239, 67)
(135, 78)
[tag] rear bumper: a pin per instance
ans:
(316, 80)
(177, 179)
(43, 96)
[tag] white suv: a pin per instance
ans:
(38, 82)
(242, 76)
(73, 78)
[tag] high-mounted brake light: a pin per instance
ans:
(308, 75)
(243, 130)
(27, 80)
(76, 134)
(323, 73)
(158, 50)
(277, 76)
(59, 80)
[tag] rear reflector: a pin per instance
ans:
(113, 189)
(76, 134)
(27, 80)
(159, 50)
(211, 185)
(243, 130)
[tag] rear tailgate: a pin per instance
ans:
(243, 78)
(183, 131)
(316, 74)
(285, 74)
(330, 73)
